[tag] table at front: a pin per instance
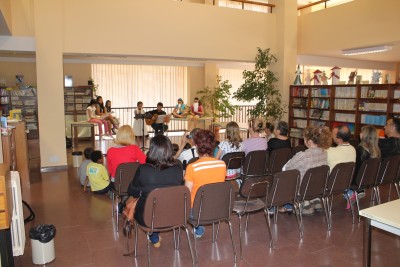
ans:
(386, 217)
(202, 119)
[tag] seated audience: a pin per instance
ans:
(97, 174)
(206, 170)
(281, 139)
(92, 117)
(232, 144)
(343, 152)
(82, 169)
(269, 131)
(124, 151)
(160, 170)
(184, 155)
(390, 146)
(255, 141)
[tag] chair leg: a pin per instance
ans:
(397, 189)
(325, 206)
(113, 203)
(233, 241)
(358, 207)
(276, 214)
(213, 233)
(240, 236)
(271, 239)
(194, 258)
(148, 252)
(195, 242)
(136, 238)
(390, 191)
(378, 193)
(116, 213)
(299, 219)
(247, 221)
(216, 235)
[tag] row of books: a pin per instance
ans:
(367, 106)
(345, 104)
(300, 102)
(300, 113)
(299, 123)
(346, 92)
(320, 92)
(320, 103)
(369, 92)
(373, 119)
(396, 107)
(344, 117)
(297, 91)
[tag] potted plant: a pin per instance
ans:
(216, 101)
(260, 85)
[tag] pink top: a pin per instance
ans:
(200, 109)
(122, 154)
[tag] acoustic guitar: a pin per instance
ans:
(151, 119)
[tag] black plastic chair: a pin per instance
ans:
(233, 161)
(277, 159)
(388, 173)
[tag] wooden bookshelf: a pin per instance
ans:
(331, 105)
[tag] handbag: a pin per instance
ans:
(129, 214)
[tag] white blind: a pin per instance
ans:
(235, 78)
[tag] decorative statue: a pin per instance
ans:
(317, 77)
(307, 80)
(376, 76)
(324, 78)
(352, 76)
(335, 75)
(297, 80)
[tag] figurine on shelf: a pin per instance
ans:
(307, 79)
(376, 76)
(335, 75)
(297, 80)
(317, 77)
(352, 76)
(324, 78)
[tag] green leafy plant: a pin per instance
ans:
(216, 100)
(260, 85)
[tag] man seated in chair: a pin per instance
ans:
(206, 170)
(159, 127)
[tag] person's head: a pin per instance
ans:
(392, 128)
(196, 100)
(256, 125)
(205, 142)
(125, 136)
(191, 135)
(317, 137)
(160, 154)
(341, 134)
(282, 128)
(180, 101)
(99, 100)
(232, 133)
(88, 152)
(159, 106)
(269, 128)
(369, 140)
(139, 104)
(175, 149)
(97, 156)
(93, 102)
(108, 103)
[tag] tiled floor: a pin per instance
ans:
(85, 235)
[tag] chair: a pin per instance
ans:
(277, 159)
(282, 191)
(234, 160)
(339, 181)
(165, 209)
(255, 163)
(251, 191)
(193, 160)
(388, 172)
(312, 186)
(123, 177)
(365, 178)
(396, 183)
(298, 149)
(213, 204)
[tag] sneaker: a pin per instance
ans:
(154, 239)
(120, 207)
(199, 231)
(361, 193)
(271, 211)
(316, 204)
(286, 208)
(307, 208)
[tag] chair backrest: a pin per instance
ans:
(124, 175)
(339, 178)
(388, 170)
(313, 183)
(298, 149)
(284, 188)
(193, 160)
(255, 163)
(234, 160)
(277, 159)
(213, 203)
(366, 175)
(254, 187)
(167, 208)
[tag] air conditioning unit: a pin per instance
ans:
(17, 222)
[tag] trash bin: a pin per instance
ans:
(42, 242)
(76, 159)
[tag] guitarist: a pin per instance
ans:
(158, 127)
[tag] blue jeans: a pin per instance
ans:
(155, 237)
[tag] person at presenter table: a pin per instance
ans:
(158, 127)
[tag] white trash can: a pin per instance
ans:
(42, 243)
(76, 159)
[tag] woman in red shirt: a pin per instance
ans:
(124, 151)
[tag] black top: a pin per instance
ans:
(361, 155)
(156, 111)
(275, 143)
(389, 146)
(148, 178)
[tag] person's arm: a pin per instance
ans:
(188, 178)
(183, 143)
(219, 153)
(134, 188)
(85, 184)
(295, 162)
(200, 111)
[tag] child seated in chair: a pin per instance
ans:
(97, 174)
(82, 169)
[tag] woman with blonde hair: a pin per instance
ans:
(124, 151)
(255, 141)
(233, 143)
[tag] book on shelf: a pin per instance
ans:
(316, 114)
(300, 102)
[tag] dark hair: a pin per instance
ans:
(160, 154)
(283, 127)
(270, 126)
(160, 104)
(96, 156)
(101, 105)
(343, 133)
(396, 123)
(88, 152)
(205, 142)
(196, 98)
(175, 148)
(92, 102)
(139, 102)
(108, 108)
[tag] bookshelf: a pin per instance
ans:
(332, 105)
(76, 100)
